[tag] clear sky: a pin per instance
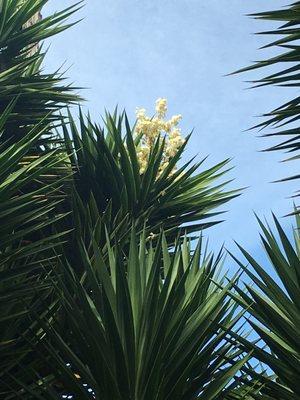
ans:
(130, 52)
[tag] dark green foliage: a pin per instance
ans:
(150, 324)
(32, 172)
(285, 117)
(274, 308)
(132, 320)
(27, 246)
(273, 302)
(38, 95)
(107, 179)
(100, 287)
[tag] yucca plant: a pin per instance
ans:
(27, 243)
(38, 95)
(286, 116)
(126, 309)
(272, 302)
(274, 309)
(149, 324)
(108, 178)
(33, 171)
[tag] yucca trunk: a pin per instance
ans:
(33, 20)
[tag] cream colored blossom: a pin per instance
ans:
(140, 113)
(150, 128)
(161, 107)
(176, 119)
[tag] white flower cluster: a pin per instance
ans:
(151, 128)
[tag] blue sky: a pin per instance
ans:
(131, 52)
